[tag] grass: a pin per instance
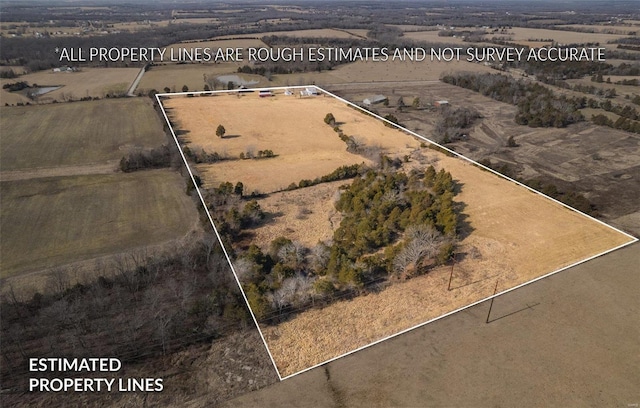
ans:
(93, 82)
(519, 235)
(271, 126)
(76, 133)
(55, 221)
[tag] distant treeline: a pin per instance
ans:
(537, 105)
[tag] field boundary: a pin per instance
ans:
(406, 131)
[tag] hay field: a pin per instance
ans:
(509, 254)
(48, 222)
(254, 123)
(515, 235)
(520, 35)
(77, 133)
(93, 82)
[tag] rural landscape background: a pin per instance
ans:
(106, 248)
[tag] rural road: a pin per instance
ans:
(135, 82)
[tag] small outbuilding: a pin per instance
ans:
(374, 100)
(309, 91)
(439, 104)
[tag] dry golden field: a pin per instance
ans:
(254, 124)
(515, 235)
(305, 215)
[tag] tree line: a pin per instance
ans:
(410, 218)
(141, 305)
(537, 105)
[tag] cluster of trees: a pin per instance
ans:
(352, 145)
(202, 156)
(341, 173)
(146, 159)
(571, 198)
(452, 123)
(549, 70)
(411, 215)
(16, 86)
(537, 105)
(377, 208)
(8, 73)
(199, 155)
(629, 82)
(232, 209)
(622, 123)
(629, 118)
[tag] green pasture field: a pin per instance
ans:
(77, 133)
(48, 222)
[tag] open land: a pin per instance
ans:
(600, 162)
(271, 127)
(56, 169)
(101, 132)
(494, 209)
(522, 35)
(88, 82)
(534, 345)
(175, 76)
(111, 214)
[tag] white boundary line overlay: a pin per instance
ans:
(321, 91)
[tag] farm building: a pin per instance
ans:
(264, 94)
(374, 100)
(310, 91)
(439, 104)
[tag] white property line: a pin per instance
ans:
(320, 90)
(215, 230)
